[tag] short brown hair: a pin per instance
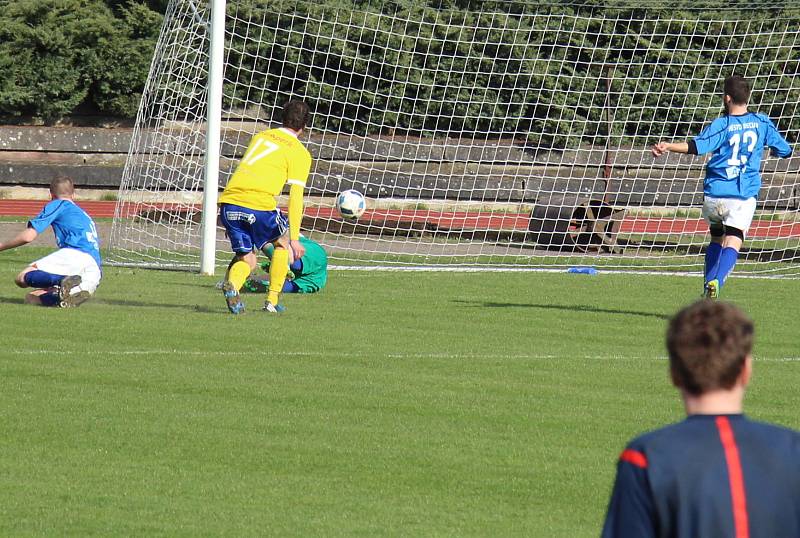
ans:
(708, 343)
(295, 115)
(62, 186)
(738, 89)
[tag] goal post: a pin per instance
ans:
(216, 72)
(486, 135)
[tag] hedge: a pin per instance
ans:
(398, 59)
(59, 54)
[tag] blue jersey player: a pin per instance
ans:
(69, 276)
(716, 473)
(736, 142)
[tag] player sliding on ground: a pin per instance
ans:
(733, 179)
(249, 212)
(69, 276)
(307, 274)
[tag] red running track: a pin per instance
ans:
(444, 219)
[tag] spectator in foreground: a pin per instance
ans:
(717, 473)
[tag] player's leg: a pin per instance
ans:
(737, 221)
(713, 251)
(278, 269)
(240, 268)
(33, 277)
(272, 228)
(56, 289)
(82, 282)
(40, 297)
(734, 238)
(737, 215)
(237, 222)
(235, 277)
(714, 213)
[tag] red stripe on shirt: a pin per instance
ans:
(635, 457)
(738, 498)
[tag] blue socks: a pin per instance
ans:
(50, 299)
(290, 287)
(720, 262)
(727, 260)
(42, 279)
(712, 258)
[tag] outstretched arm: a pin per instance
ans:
(663, 147)
(295, 218)
(22, 238)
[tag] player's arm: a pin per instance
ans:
(299, 168)
(777, 144)
(711, 138)
(295, 218)
(22, 238)
(663, 147)
(631, 512)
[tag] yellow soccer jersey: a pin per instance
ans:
(274, 158)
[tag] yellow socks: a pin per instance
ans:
(277, 274)
(238, 273)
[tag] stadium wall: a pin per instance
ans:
(461, 169)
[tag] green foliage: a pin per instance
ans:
(556, 72)
(58, 54)
(500, 68)
(124, 61)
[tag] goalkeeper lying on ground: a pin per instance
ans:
(307, 274)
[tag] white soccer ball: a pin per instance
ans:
(351, 204)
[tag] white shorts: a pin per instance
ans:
(68, 261)
(733, 212)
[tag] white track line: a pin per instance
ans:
(288, 354)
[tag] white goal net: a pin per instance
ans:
(507, 135)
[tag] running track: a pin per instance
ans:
(443, 219)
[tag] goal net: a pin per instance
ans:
(508, 135)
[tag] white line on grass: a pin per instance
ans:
(281, 353)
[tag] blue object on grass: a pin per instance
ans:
(582, 270)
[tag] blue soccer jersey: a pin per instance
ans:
(737, 143)
(72, 227)
(710, 475)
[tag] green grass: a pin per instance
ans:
(401, 404)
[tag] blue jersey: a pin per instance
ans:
(737, 143)
(710, 475)
(72, 227)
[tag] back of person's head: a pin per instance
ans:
(62, 187)
(708, 343)
(295, 115)
(738, 89)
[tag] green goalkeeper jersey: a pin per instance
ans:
(314, 275)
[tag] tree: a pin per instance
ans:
(57, 54)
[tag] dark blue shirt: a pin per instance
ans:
(737, 143)
(72, 227)
(708, 476)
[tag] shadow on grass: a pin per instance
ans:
(145, 304)
(128, 303)
(570, 308)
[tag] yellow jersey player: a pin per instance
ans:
(250, 214)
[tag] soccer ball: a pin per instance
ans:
(351, 204)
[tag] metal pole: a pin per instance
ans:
(208, 244)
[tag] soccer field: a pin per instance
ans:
(413, 404)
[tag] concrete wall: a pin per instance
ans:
(405, 167)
